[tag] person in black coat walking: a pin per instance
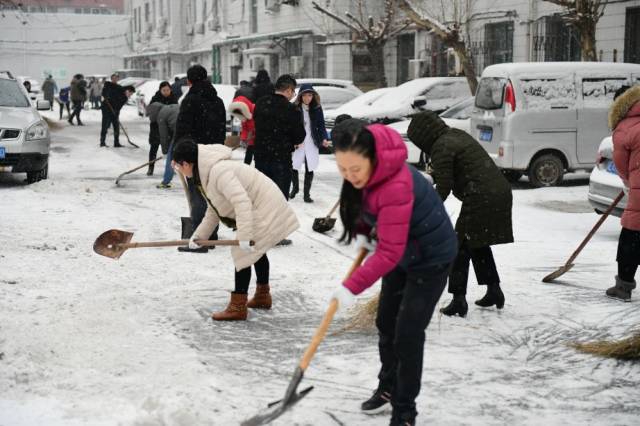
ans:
(462, 167)
(279, 128)
(245, 90)
(176, 87)
(163, 96)
(262, 85)
(202, 118)
(114, 97)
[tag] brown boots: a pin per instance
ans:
(261, 299)
(237, 308)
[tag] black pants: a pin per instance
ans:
(407, 302)
(279, 173)
(628, 256)
(243, 276)
(62, 105)
(248, 155)
(77, 107)
(109, 119)
(483, 265)
(154, 140)
(198, 208)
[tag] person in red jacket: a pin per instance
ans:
(624, 120)
(412, 251)
(242, 108)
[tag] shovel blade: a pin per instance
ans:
(323, 224)
(557, 273)
(276, 409)
(109, 243)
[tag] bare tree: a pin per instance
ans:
(583, 15)
(373, 33)
(451, 36)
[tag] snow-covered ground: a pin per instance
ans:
(86, 340)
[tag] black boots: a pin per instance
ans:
(150, 170)
(457, 306)
(622, 290)
(494, 296)
(308, 179)
(295, 184)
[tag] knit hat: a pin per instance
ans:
(425, 128)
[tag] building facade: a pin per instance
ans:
(235, 38)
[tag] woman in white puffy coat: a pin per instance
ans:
(244, 199)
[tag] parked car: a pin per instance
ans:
(334, 97)
(143, 95)
(136, 82)
(35, 86)
(353, 106)
(604, 182)
(546, 118)
(454, 117)
(429, 93)
(330, 82)
(24, 135)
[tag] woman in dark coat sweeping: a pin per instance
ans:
(460, 165)
(165, 96)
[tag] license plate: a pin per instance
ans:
(2, 152)
(486, 135)
(611, 168)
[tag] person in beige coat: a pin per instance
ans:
(244, 199)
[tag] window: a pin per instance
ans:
(498, 40)
(554, 40)
(598, 92)
(254, 16)
(294, 47)
(549, 93)
(135, 21)
(146, 13)
(333, 97)
(632, 35)
(204, 10)
(11, 95)
(161, 8)
(460, 111)
(490, 93)
(448, 91)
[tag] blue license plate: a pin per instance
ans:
(486, 135)
(2, 152)
(611, 168)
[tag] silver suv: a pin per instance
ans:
(24, 135)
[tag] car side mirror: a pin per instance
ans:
(419, 102)
(42, 105)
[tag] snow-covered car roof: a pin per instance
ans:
(355, 104)
(334, 82)
(519, 68)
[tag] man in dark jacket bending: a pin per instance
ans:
(114, 97)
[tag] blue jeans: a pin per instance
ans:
(168, 170)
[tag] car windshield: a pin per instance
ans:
(490, 91)
(460, 111)
(11, 95)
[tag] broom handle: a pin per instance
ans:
(333, 209)
(595, 227)
(328, 317)
(180, 243)
(145, 164)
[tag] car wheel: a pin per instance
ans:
(546, 170)
(512, 175)
(44, 173)
(38, 175)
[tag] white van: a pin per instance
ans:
(546, 118)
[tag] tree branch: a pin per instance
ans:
(335, 17)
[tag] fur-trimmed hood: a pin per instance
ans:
(628, 102)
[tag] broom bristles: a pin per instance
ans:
(364, 315)
(627, 349)
(53, 125)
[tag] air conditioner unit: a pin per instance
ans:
(417, 68)
(148, 27)
(272, 5)
(256, 63)
(200, 28)
(454, 67)
(161, 26)
(189, 29)
(213, 24)
(235, 59)
(296, 64)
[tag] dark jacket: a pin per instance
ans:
(63, 95)
(247, 92)
(114, 95)
(460, 165)
(318, 128)
(158, 97)
(176, 88)
(78, 91)
(279, 128)
(202, 115)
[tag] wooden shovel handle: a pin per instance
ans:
(333, 209)
(321, 331)
(206, 243)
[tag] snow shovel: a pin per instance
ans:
(120, 124)
(114, 242)
(291, 397)
(137, 168)
(325, 224)
(567, 266)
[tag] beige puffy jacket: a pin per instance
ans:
(243, 193)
